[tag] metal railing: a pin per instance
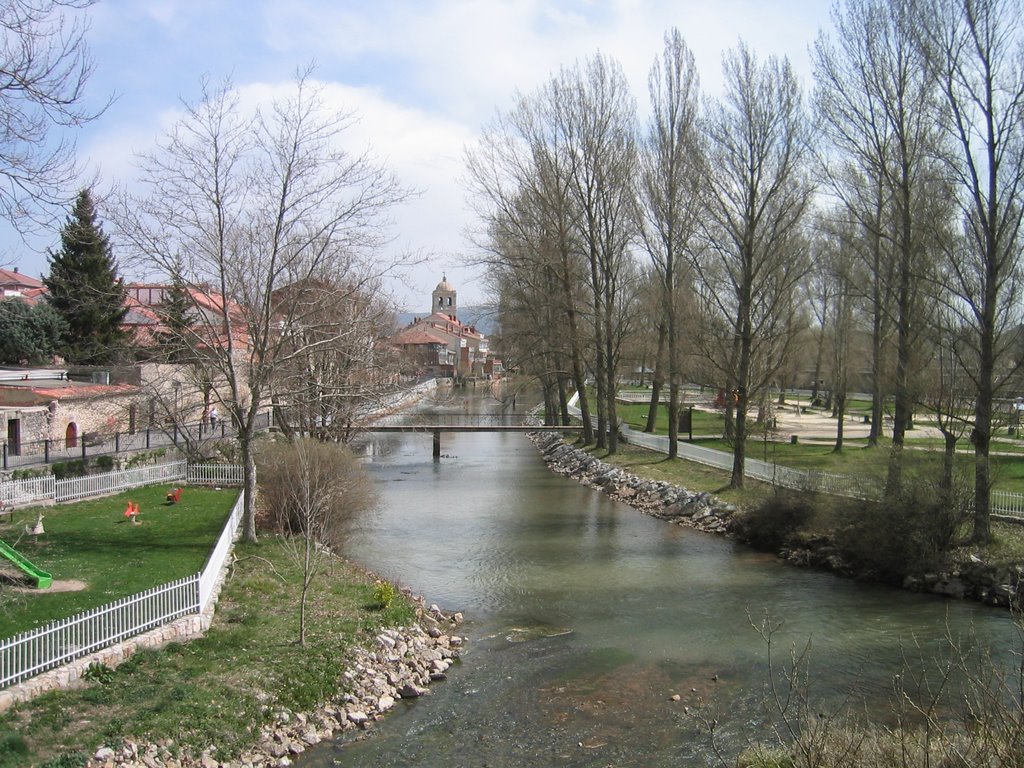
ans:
(210, 573)
(1005, 503)
(28, 490)
(59, 642)
(35, 452)
(37, 650)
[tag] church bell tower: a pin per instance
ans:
(444, 298)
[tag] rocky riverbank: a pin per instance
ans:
(967, 577)
(652, 497)
(398, 664)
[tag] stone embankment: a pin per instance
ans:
(398, 664)
(652, 497)
(969, 579)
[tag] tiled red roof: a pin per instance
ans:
(86, 391)
(419, 334)
(10, 278)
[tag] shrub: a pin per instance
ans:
(309, 488)
(771, 524)
(24, 474)
(905, 533)
(13, 749)
(98, 673)
(104, 463)
(65, 469)
(140, 459)
(384, 593)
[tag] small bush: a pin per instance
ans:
(64, 469)
(771, 524)
(104, 463)
(24, 474)
(142, 459)
(905, 534)
(13, 749)
(98, 673)
(384, 594)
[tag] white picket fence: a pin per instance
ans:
(87, 486)
(60, 642)
(215, 474)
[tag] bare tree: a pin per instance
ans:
(44, 67)
(519, 183)
(245, 205)
(308, 489)
(837, 254)
(875, 98)
(671, 168)
(599, 118)
(975, 51)
(337, 360)
(757, 195)
(557, 172)
(820, 296)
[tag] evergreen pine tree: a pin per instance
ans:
(175, 315)
(84, 288)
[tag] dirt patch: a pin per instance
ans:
(61, 585)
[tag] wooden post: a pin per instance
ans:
(437, 443)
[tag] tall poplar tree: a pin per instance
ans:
(85, 290)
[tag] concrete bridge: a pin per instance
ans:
(435, 424)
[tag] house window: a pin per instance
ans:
(71, 436)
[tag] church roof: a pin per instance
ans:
(444, 285)
(419, 334)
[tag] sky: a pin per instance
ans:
(423, 76)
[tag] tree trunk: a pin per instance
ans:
(982, 435)
(948, 464)
(840, 400)
(248, 487)
(659, 379)
(563, 402)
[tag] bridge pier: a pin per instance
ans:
(437, 443)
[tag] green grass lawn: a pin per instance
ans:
(922, 455)
(92, 542)
(704, 423)
(219, 689)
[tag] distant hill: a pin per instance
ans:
(480, 316)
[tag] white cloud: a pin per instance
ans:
(423, 75)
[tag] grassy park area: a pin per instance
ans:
(96, 555)
(923, 454)
(219, 689)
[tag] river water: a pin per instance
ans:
(585, 617)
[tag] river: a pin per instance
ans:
(585, 617)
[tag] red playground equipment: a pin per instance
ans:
(132, 512)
